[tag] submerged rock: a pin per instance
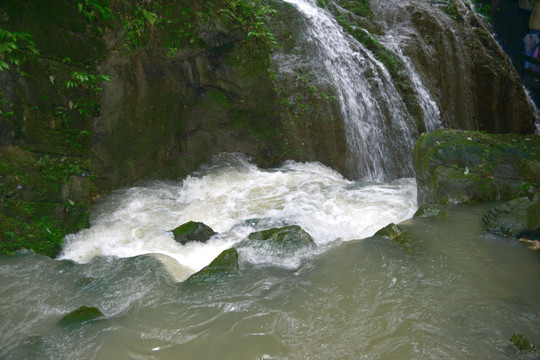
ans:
(517, 218)
(429, 211)
(193, 231)
(224, 263)
(454, 166)
(521, 342)
(393, 232)
(81, 315)
(285, 238)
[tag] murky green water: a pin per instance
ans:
(459, 294)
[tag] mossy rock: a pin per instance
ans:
(81, 315)
(193, 231)
(521, 342)
(516, 218)
(457, 166)
(289, 238)
(225, 263)
(430, 211)
(394, 233)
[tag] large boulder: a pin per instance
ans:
(193, 231)
(288, 238)
(517, 218)
(455, 166)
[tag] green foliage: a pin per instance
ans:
(251, 16)
(138, 25)
(38, 223)
(94, 10)
(14, 46)
(521, 342)
(80, 79)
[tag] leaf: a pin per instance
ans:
(150, 16)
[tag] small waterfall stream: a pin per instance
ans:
(379, 132)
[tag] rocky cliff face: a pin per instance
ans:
(468, 74)
(123, 91)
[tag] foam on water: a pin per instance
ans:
(236, 198)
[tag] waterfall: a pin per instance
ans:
(380, 131)
(430, 110)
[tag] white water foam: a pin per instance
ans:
(226, 197)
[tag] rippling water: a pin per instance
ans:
(456, 293)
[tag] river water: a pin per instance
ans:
(454, 293)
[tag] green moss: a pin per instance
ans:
(192, 231)
(289, 237)
(468, 166)
(394, 233)
(224, 264)
(521, 342)
(33, 214)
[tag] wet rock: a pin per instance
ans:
(289, 238)
(430, 211)
(455, 166)
(517, 218)
(193, 231)
(224, 263)
(81, 315)
(393, 232)
(521, 342)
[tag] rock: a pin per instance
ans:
(290, 238)
(517, 218)
(428, 211)
(224, 263)
(193, 231)
(521, 342)
(81, 315)
(393, 232)
(456, 166)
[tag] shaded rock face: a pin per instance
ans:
(454, 166)
(516, 218)
(466, 71)
(193, 231)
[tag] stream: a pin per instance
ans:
(453, 293)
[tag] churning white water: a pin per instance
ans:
(236, 198)
(380, 136)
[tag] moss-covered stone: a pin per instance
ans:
(520, 342)
(224, 264)
(455, 166)
(290, 238)
(394, 233)
(80, 316)
(516, 218)
(430, 211)
(193, 231)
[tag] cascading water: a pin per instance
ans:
(380, 134)
(236, 198)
